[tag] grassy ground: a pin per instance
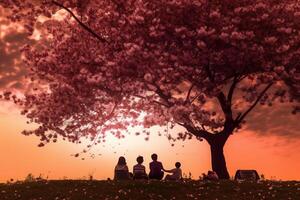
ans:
(104, 190)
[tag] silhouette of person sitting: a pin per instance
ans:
(176, 173)
(139, 170)
(211, 176)
(121, 170)
(156, 168)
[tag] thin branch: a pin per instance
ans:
(110, 115)
(209, 73)
(232, 88)
(88, 29)
(195, 98)
(154, 101)
(161, 94)
(187, 99)
(223, 103)
(241, 117)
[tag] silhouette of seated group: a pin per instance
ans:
(139, 171)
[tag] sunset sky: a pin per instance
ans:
(274, 155)
(270, 143)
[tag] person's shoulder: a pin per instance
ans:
(136, 166)
(174, 170)
(139, 166)
(142, 166)
(121, 167)
(125, 168)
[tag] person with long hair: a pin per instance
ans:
(121, 170)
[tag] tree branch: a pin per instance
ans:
(241, 117)
(110, 115)
(232, 88)
(222, 100)
(162, 95)
(187, 99)
(88, 29)
(203, 127)
(198, 95)
(209, 73)
(196, 132)
(157, 102)
(225, 105)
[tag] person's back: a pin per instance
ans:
(139, 170)
(156, 168)
(121, 170)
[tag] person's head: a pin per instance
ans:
(177, 164)
(122, 161)
(209, 172)
(154, 157)
(140, 159)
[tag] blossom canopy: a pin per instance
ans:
(108, 65)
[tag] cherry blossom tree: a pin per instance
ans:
(204, 65)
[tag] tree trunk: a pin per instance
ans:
(218, 159)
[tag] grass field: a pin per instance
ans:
(104, 190)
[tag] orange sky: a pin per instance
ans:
(270, 155)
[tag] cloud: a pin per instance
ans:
(276, 120)
(12, 70)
